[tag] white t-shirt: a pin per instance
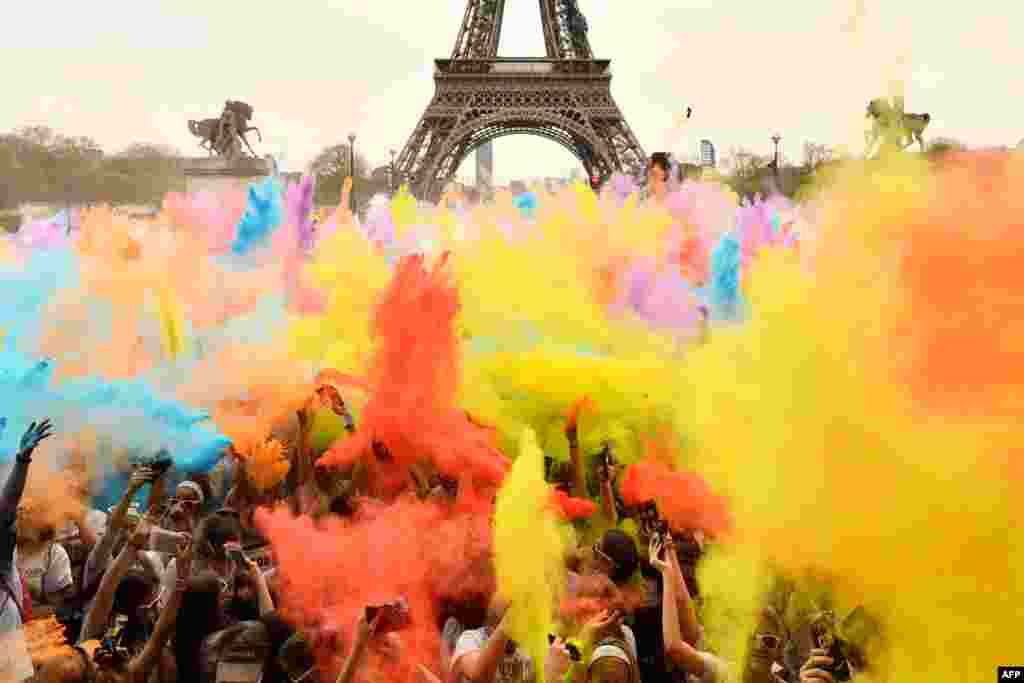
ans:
(46, 571)
(513, 668)
(15, 662)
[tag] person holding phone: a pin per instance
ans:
(213, 537)
(487, 655)
(703, 666)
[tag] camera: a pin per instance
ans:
(574, 652)
(159, 462)
(650, 521)
(394, 615)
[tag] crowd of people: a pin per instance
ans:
(180, 590)
(284, 521)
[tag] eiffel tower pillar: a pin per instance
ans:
(479, 97)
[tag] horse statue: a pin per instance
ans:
(894, 128)
(206, 131)
(225, 136)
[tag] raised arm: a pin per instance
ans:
(140, 666)
(99, 557)
(606, 472)
(687, 612)
(99, 613)
(678, 650)
(364, 631)
(263, 596)
(14, 488)
(579, 482)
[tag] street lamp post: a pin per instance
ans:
(393, 153)
(776, 139)
(352, 171)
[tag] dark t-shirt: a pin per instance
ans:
(650, 644)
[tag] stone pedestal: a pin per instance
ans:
(217, 174)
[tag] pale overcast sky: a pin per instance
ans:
(316, 69)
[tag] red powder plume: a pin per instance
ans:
(964, 269)
(421, 551)
(573, 416)
(684, 499)
(413, 380)
(571, 508)
(694, 260)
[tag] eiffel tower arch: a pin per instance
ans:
(479, 97)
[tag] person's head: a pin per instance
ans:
(659, 168)
(767, 646)
(72, 666)
(200, 612)
(136, 597)
(186, 506)
(243, 604)
(33, 531)
(615, 556)
(296, 660)
(214, 532)
(243, 652)
(610, 663)
(89, 662)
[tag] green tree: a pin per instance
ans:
(330, 168)
(938, 147)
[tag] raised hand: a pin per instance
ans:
(140, 477)
(656, 548)
(33, 436)
(140, 536)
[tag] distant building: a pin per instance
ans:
(707, 154)
(485, 166)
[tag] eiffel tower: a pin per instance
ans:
(478, 97)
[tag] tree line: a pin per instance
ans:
(40, 165)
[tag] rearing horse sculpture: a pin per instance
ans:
(225, 136)
(894, 128)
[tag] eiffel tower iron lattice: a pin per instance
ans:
(478, 97)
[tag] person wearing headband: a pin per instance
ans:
(610, 663)
(185, 508)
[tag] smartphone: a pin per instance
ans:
(394, 616)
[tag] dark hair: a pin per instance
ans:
(660, 159)
(297, 652)
(621, 549)
(133, 591)
(216, 530)
(198, 617)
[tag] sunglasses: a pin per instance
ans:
(768, 641)
(184, 502)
